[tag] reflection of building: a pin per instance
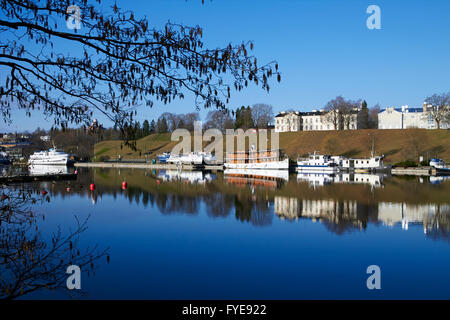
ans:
(261, 178)
(339, 215)
(195, 177)
(395, 213)
(329, 210)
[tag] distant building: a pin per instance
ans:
(45, 138)
(405, 118)
(288, 121)
(316, 120)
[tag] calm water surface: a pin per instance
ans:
(196, 235)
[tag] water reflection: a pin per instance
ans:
(342, 202)
(321, 179)
(256, 178)
(195, 177)
(30, 261)
(340, 216)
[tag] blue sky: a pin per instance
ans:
(323, 48)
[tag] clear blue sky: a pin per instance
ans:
(323, 48)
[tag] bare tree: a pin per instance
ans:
(438, 108)
(349, 111)
(373, 116)
(333, 111)
(262, 115)
(123, 63)
(219, 119)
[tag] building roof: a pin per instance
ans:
(409, 110)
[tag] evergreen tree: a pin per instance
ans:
(153, 127)
(363, 116)
(145, 128)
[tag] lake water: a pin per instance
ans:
(194, 235)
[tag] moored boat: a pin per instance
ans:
(4, 158)
(50, 157)
(254, 159)
(162, 158)
(440, 166)
(317, 163)
(371, 164)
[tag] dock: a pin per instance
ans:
(41, 177)
(414, 171)
(144, 165)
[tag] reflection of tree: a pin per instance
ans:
(218, 204)
(253, 210)
(28, 261)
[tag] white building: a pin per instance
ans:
(405, 118)
(288, 121)
(316, 120)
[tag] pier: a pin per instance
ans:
(414, 171)
(144, 165)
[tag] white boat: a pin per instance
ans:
(4, 158)
(372, 163)
(317, 163)
(190, 158)
(253, 159)
(50, 157)
(440, 166)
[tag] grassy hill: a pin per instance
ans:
(396, 145)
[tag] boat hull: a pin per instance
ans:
(271, 165)
(317, 169)
(62, 162)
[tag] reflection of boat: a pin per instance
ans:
(47, 169)
(440, 166)
(374, 180)
(438, 179)
(256, 177)
(316, 179)
(50, 157)
(254, 159)
(187, 176)
(317, 163)
(321, 179)
(276, 174)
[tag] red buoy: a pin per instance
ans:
(44, 192)
(92, 187)
(124, 185)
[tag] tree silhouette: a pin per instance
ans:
(121, 63)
